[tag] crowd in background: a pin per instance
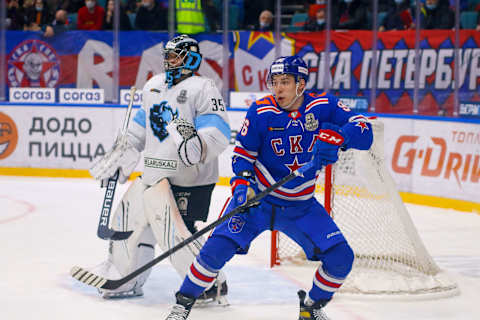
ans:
(55, 16)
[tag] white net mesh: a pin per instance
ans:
(390, 257)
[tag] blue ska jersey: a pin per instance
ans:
(274, 142)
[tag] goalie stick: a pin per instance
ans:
(91, 279)
(103, 231)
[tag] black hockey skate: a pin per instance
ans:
(313, 311)
(181, 309)
(216, 295)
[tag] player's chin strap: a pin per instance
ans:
(297, 95)
(91, 279)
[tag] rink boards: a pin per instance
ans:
(431, 158)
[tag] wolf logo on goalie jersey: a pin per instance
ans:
(160, 116)
(181, 133)
(281, 133)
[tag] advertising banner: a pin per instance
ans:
(56, 137)
(438, 158)
(84, 59)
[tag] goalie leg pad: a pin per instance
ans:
(126, 256)
(168, 227)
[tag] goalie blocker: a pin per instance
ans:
(153, 215)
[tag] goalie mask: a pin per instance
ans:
(181, 58)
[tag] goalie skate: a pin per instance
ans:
(215, 296)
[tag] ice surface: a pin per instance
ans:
(48, 225)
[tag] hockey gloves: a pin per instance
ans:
(123, 157)
(243, 188)
(325, 150)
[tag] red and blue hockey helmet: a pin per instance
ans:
(293, 65)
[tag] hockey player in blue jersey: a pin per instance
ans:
(281, 133)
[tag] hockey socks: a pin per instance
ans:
(330, 275)
(324, 286)
(199, 278)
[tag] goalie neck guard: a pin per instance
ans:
(181, 59)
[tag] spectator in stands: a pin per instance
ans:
(151, 16)
(90, 16)
(54, 6)
(399, 17)
(265, 21)
(38, 17)
(352, 15)
(463, 4)
(191, 16)
(313, 7)
(212, 15)
(384, 5)
(253, 10)
(59, 25)
(318, 22)
(15, 19)
(334, 10)
(72, 6)
(132, 6)
(108, 21)
(436, 14)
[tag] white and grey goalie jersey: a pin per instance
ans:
(195, 99)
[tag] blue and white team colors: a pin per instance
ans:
(274, 142)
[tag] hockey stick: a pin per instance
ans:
(103, 231)
(91, 279)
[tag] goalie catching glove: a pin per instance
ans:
(325, 151)
(122, 157)
(190, 146)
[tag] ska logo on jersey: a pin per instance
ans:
(33, 63)
(161, 115)
(235, 224)
(295, 119)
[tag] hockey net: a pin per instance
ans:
(390, 258)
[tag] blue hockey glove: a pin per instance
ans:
(325, 150)
(243, 188)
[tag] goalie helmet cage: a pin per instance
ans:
(390, 258)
